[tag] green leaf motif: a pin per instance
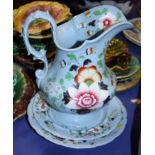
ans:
(81, 57)
(52, 79)
(53, 99)
(99, 63)
(100, 55)
(46, 91)
(118, 16)
(97, 30)
(61, 82)
(62, 106)
(105, 74)
(111, 73)
(89, 83)
(69, 76)
(104, 11)
(20, 85)
(97, 13)
(46, 94)
(72, 56)
(60, 96)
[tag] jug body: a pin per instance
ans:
(79, 80)
(77, 84)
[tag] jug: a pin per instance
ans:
(77, 84)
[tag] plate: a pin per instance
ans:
(20, 53)
(134, 35)
(60, 12)
(42, 35)
(133, 67)
(79, 143)
(23, 90)
(129, 82)
(45, 119)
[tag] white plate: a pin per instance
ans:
(78, 143)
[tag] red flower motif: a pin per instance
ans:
(86, 74)
(107, 22)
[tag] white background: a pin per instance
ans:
(6, 74)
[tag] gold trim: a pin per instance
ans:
(130, 84)
(19, 116)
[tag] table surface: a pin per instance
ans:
(28, 142)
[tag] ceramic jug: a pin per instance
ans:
(77, 84)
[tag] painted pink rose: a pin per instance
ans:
(86, 97)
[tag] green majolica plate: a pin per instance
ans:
(19, 82)
(19, 47)
(20, 52)
(126, 83)
(133, 67)
(23, 90)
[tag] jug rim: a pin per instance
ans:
(86, 42)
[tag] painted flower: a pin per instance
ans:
(107, 20)
(86, 97)
(42, 106)
(88, 74)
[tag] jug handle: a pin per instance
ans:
(38, 55)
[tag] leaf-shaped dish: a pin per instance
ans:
(133, 67)
(117, 57)
(23, 90)
(60, 13)
(119, 60)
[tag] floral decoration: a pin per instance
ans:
(107, 20)
(88, 92)
(42, 105)
(88, 74)
(86, 97)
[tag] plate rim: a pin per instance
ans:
(60, 143)
(31, 88)
(125, 76)
(132, 39)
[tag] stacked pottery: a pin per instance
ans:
(125, 66)
(76, 105)
(39, 31)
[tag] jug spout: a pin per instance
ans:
(90, 26)
(114, 30)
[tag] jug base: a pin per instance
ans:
(78, 121)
